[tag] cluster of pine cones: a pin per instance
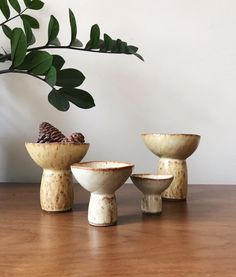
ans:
(48, 134)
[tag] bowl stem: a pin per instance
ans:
(56, 191)
(102, 209)
(178, 168)
(151, 204)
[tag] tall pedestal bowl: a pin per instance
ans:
(102, 179)
(56, 190)
(173, 150)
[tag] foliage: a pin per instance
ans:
(39, 63)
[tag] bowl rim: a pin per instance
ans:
(126, 165)
(152, 177)
(173, 134)
(56, 143)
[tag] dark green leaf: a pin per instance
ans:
(121, 45)
(51, 76)
(28, 32)
(34, 24)
(139, 56)
(3, 58)
(131, 49)
(79, 97)
(73, 27)
(109, 43)
(58, 101)
(37, 62)
(70, 78)
(7, 31)
(18, 47)
(77, 43)
(94, 38)
(57, 62)
(5, 8)
(15, 5)
(33, 4)
(53, 29)
(55, 42)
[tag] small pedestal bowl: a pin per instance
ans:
(152, 187)
(102, 179)
(173, 150)
(56, 190)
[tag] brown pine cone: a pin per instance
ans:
(74, 138)
(48, 133)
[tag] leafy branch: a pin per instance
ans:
(37, 62)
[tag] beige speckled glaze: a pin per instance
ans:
(151, 186)
(102, 179)
(56, 190)
(173, 149)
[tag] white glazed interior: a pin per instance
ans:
(102, 177)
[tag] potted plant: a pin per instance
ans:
(24, 58)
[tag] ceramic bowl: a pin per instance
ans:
(102, 179)
(56, 190)
(151, 186)
(173, 150)
(176, 146)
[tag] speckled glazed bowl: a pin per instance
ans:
(151, 186)
(102, 179)
(173, 150)
(56, 190)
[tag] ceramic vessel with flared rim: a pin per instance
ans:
(102, 179)
(152, 186)
(173, 150)
(56, 190)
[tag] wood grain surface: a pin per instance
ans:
(193, 238)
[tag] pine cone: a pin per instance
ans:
(48, 133)
(74, 138)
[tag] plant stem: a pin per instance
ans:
(23, 72)
(19, 14)
(68, 47)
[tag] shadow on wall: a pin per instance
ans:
(20, 109)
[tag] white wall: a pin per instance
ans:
(187, 84)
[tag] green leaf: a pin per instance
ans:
(33, 4)
(57, 62)
(15, 5)
(3, 58)
(79, 97)
(73, 27)
(70, 78)
(37, 62)
(18, 47)
(94, 38)
(51, 76)
(77, 43)
(58, 101)
(34, 24)
(7, 31)
(131, 49)
(121, 45)
(109, 43)
(55, 42)
(5, 8)
(28, 32)
(53, 29)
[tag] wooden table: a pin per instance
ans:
(193, 238)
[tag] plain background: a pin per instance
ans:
(187, 84)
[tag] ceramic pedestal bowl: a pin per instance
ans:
(102, 179)
(56, 190)
(173, 150)
(152, 187)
